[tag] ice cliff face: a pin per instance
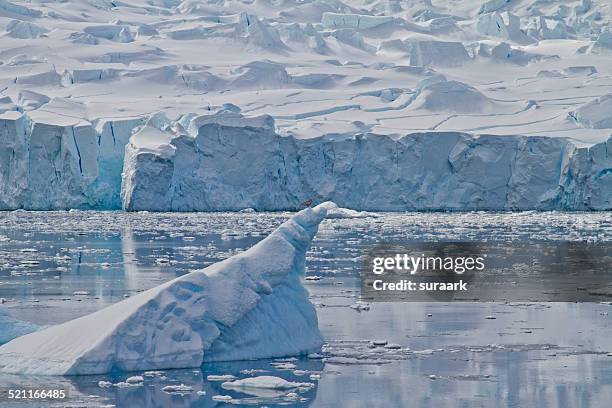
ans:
(250, 306)
(58, 162)
(225, 161)
(231, 164)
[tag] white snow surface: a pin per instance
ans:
(249, 306)
(78, 78)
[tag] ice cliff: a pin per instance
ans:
(249, 306)
(228, 162)
(56, 161)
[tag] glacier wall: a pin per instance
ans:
(54, 162)
(226, 163)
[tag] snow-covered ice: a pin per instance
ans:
(78, 78)
(249, 306)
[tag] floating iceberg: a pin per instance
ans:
(333, 211)
(249, 306)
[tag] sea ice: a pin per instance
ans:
(177, 389)
(265, 381)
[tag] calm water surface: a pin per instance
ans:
(55, 266)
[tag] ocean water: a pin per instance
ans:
(56, 266)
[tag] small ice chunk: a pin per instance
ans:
(136, 379)
(393, 346)
(252, 371)
(177, 389)
(224, 377)
(360, 306)
(283, 366)
(221, 398)
(265, 381)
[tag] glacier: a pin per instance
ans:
(54, 161)
(228, 161)
(233, 163)
(384, 105)
(249, 306)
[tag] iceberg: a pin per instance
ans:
(249, 306)
(264, 382)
